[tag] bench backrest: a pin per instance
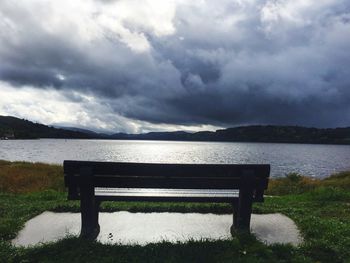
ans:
(172, 176)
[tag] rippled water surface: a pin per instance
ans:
(307, 159)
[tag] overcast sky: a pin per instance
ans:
(137, 66)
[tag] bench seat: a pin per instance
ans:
(156, 194)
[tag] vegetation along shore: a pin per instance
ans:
(320, 208)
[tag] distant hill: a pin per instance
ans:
(23, 129)
(91, 133)
(172, 136)
(281, 134)
(74, 129)
(256, 133)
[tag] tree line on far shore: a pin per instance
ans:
(15, 128)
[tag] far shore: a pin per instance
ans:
(173, 140)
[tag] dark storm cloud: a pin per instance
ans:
(270, 62)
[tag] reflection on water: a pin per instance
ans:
(311, 160)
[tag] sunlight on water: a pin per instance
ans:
(311, 160)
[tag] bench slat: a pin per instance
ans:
(166, 182)
(184, 195)
(156, 194)
(166, 192)
(161, 169)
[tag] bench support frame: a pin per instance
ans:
(242, 207)
(89, 206)
(81, 178)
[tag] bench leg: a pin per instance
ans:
(235, 217)
(89, 214)
(245, 203)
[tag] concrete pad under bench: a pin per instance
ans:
(143, 228)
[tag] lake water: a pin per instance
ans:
(311, 160)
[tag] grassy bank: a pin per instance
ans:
(321, 209)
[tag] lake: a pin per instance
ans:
(308, 159)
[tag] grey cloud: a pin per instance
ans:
(226, 64)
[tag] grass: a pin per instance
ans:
(245, 249)
(294, 183)
(321, 209)
(24, 177)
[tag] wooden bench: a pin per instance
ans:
(93, 182)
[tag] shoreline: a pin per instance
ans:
(170, 140)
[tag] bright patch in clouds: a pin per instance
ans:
(53, 108)
(47, 106)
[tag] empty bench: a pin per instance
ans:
(94, 182)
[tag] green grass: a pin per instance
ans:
(244, 249)
(320, 208)
(24, 177)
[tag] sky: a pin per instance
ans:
(163, 65)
